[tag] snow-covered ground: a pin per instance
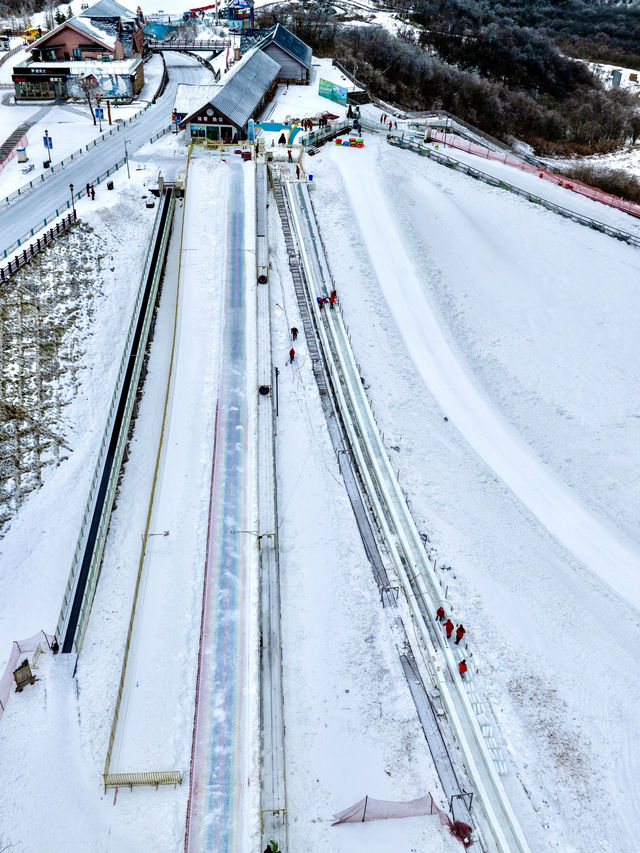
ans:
(467, 303)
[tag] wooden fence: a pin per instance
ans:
(131, 780)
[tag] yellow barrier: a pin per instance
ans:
(131, 780)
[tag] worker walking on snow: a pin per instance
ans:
(440, 614)
(390, 125)
(448, 627)
(294, 332)
(333, 299)
(460, 632)
(292, 355)
(462, 667)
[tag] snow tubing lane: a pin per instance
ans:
(78, 598)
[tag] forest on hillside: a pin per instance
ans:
(510, 80)
(603, 30)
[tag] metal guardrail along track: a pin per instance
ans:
(414, 571)
(429, 711)
(565, 212)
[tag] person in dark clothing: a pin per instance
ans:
(460, 632)
(462, 667)
(294, 332)
(292, 355)
(88, 188)
(93, 193)
(448, 627)
(440, 614)
(297, 171)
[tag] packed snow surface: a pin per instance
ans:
(495, 340)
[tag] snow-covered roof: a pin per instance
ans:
(80, 25)
(191, 96)
(86, 26)
(108, 9)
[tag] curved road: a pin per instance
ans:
(24, 214)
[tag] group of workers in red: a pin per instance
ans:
(332, 300)
(460, 632)
(322, 301)
(383, 120)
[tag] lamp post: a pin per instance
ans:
(126, 157)
(73, 202)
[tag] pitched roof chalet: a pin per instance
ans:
(291, 44)
(108, 9)
(237, 94)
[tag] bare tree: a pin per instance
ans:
(88, 86)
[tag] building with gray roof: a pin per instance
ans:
(240, 95)
(291, 53)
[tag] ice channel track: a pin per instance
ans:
(414, 571)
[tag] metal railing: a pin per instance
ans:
(323, 135)
(77, 195)
(581, 218)
(6, 56)
(59, 211)
(57, 167)
(33, 248)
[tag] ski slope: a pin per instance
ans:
(590, 540)
(517, 326)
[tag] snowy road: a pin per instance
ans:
(222, 803)
(17, 219)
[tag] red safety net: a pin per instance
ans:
(370, 809)
(454, 141)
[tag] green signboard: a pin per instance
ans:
(332, 91)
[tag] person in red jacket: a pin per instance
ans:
(292, 355)
(448, 627)
(462, 666)
(390, 125)
(333, 299)
(460, 632)
(440, 614)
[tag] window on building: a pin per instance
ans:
(77, 53)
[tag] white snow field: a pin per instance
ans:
(463, 302)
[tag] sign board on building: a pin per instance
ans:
(327, 89)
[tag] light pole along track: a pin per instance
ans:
(415, 573)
